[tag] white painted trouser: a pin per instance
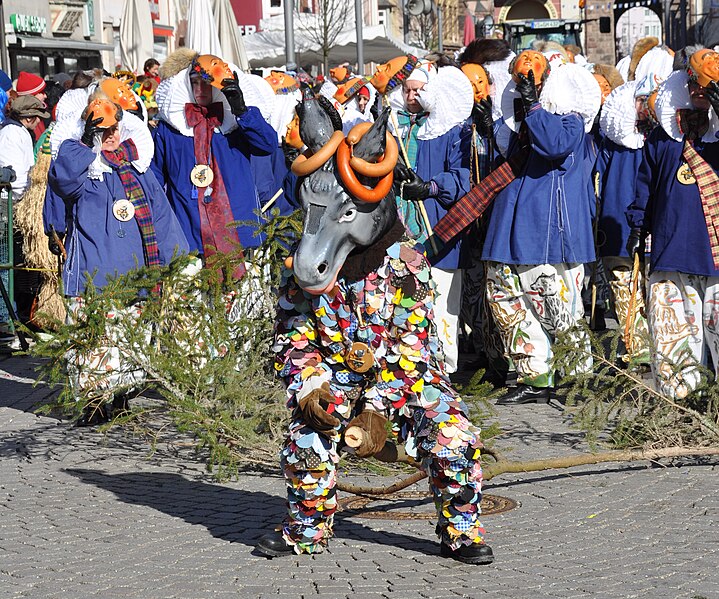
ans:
(447, 305)
(530, 305)
(683, 313)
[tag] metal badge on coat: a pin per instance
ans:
(123, 210)
(201, 175)
(685, 176)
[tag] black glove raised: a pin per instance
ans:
(413, 187)
(137, 112)
(91, 128)
(7, 174)
(483, 119)
(634, 242)
(234, 95)
(528, 91)
(54, 244)
(712, 94)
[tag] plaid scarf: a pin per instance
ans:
(215, 211)
(708, 184)
(121, 161)
(470, 207)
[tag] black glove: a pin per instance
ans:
(233, 93)
(528, 91)
(712, 94)
(7, 174)
(53, 243)
(137, 112)
(413, 188)
(634, 242)
(91, 128)
(483, 119)
(290, 152)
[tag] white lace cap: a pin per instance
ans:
(449, 98)
(130, 126)
(618, 120)
(673, 95)
(572, 88)
(499, 71)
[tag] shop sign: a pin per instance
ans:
(89, 18)
(28, 23)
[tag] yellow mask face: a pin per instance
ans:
(119, 93)
(478, 78)
(392, 73)
(281, 82)
(292, 135)
(102, 109)
(211, 68)
(603, 85)
(704, 66)
(530, 60)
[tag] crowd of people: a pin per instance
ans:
(528, 179)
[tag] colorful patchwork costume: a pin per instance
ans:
(385, 299)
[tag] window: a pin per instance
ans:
(275, 3)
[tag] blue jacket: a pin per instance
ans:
(440, 160)
(618, 167)
(97, 243)
(175, 157)
(270, 173)
(54, 212)
(672, 211)
(544, 216)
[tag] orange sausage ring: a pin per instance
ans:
(351, 182)
(305, 165)
(378, 169)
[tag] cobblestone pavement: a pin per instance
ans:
(86, 515)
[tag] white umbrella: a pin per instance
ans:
(233, 50)
(136, 37)
(201, 28)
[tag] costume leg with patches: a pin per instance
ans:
(677, 337)
(447, 306)
(448, 446)
(525, 341)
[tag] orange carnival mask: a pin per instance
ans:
(478, 78)
(292, 134)
(603, 85)
(703, 67)
(105, 109)
(339, 74)
(530, 60)
(212, 69)
(391, 74)
(119, 93)
(282, 83)
(347, 90)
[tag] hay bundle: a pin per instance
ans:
(49, 306)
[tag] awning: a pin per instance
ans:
(267, 48)
(62, 43)
(162, 30)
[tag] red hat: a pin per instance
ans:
(29, 84)
(364, 91)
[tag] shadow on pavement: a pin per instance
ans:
(235, 515)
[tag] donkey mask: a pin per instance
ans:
(336, 223)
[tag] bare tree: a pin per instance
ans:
(322, 21)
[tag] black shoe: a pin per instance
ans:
(274, 545)
(120, 405)
(524, 394)
(469, 554)
(94, 415)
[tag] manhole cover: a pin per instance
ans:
(405, 505)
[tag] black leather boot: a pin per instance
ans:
(469, 554)
(274, 545)
(93, 415)
(522, 394)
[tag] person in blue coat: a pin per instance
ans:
(681, 158)
(204, 144)
(625, 130)
(434, 105)
(540, 231)
(118, 217)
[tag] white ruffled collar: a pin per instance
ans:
(131, 127)
(618, 120)
(173, 93)
(673, 95)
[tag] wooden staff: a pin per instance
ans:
(420, 205)
(271, 201)
(629, 325)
